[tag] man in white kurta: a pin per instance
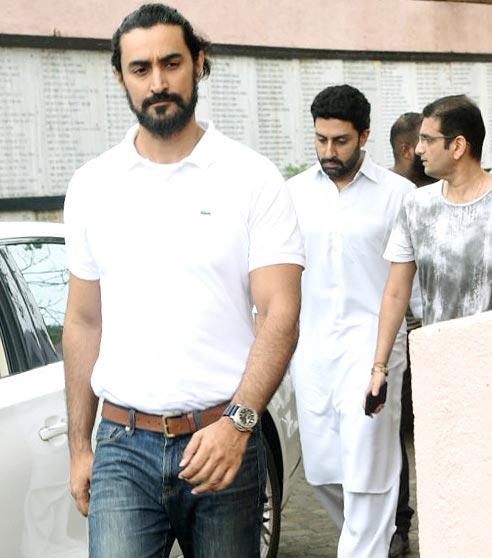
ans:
(346, 206)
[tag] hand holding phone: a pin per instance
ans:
(373, 401)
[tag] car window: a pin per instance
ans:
(44, 268)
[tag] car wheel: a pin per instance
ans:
(270, 531)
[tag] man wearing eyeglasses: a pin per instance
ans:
(443, 231)
(404, 137)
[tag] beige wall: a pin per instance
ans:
(394, 25)
(452, 394)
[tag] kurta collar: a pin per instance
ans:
(368, 168)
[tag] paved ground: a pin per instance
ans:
(307, 531)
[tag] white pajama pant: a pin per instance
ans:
(366, 520)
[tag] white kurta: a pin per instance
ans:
(345, 235)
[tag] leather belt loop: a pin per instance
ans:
(130, 427)
(196, 418)
(192, 422)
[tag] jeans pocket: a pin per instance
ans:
(108, 432)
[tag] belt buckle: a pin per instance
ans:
(165, 427)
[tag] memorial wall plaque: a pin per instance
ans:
(278, 110)
(231, 103)
(313, 76)
(21, 163)
(366, 77)
(398, 91)
(114, 112)
(60, 108)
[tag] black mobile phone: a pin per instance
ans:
(372, 401)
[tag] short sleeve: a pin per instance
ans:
(274, 236)
(80, 259)
(399, 248)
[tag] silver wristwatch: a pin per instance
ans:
(244, 418)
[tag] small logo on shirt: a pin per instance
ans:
(205, 212)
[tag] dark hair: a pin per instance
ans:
(459, 116)
(345, 103)
(408, 125)
(149, 15)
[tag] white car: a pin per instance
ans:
(38, 518)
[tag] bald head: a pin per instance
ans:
(404, 137)
(405, 131)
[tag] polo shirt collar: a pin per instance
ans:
(205, 151)
(202, 156)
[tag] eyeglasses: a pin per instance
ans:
(425, 138)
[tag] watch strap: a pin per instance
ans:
(230, 409)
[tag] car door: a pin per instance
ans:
(37, 516)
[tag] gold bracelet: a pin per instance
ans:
(379, 367)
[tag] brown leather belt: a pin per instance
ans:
(169, 424)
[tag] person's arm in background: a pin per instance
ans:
(81, 340)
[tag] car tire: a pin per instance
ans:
(270, 531)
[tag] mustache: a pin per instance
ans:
(331, 160)
(163, 96)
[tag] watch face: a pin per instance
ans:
(247, 417)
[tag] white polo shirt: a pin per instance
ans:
(172, 246)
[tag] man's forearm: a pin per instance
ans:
(81, 348)
(390, 319)
(276, 338)
(394, 304)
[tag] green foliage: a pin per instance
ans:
(291, 170)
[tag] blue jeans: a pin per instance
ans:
(138, 506)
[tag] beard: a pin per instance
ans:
(343, 167)
(164, 126)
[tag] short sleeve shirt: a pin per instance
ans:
(451, 245)
(172, 247)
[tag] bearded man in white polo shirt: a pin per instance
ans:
(346, 205)
(172, 235)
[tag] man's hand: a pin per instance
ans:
(80, 479)
(81, 339)
(213, 456)
(377, 380)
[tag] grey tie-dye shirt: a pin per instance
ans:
(452, 248)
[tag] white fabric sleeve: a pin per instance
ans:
(80, 260)
(399, 248)
(274, 235)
